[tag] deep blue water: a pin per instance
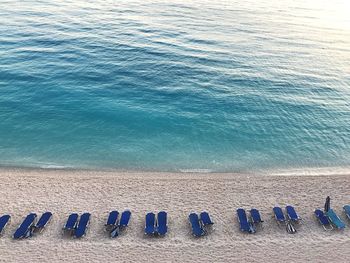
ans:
(171, 85)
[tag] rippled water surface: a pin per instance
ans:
(173, 85)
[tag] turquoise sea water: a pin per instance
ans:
(174, 85)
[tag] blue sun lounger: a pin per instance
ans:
(4, 220)
(205, 218)
(279, 216)
(42, 222)
(83, 224)
(112, 224)
(255, 215)
(323, 220)
(162, 227)
(197, 229)
(150, 224)
(124, 219)
(335, 220)
(112, 221)
(347, 210)
(24, 230)
(292, 214)
(245, 225)
(112, 218)
(71, 224)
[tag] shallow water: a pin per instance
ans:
(186, 85)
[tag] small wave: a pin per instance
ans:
(315, 171)
(53, 166)
(196, 170)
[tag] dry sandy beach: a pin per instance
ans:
(62, 192)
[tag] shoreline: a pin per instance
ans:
(297, 171)
(97, 192)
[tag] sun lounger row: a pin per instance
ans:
(200, 224)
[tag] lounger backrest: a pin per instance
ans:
(256, 216)
(279, 214)
(205, 218)
(125, 218)
(71, 221)
(292, 214)
(333, 217)
(197, 229)
(243, 220)
(43, 220)
(25, 226)
(347, 210)
(150, 223)
(3, 222)
(112, 218)
(82, 225)
(162, 226)
(321, 217)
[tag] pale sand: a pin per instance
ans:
(63, 192)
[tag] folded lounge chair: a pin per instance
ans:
(205, 218)
(245, 225)
(335, 220)
(323, 220)
(4, 220)
(83, 224)
(42, 222)
(197, 229)
(290, 227)
(150, 224)
(162, 227)
(25, 229)
(347, 210)
(292, 214)
(71, 224)
(114, 232)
